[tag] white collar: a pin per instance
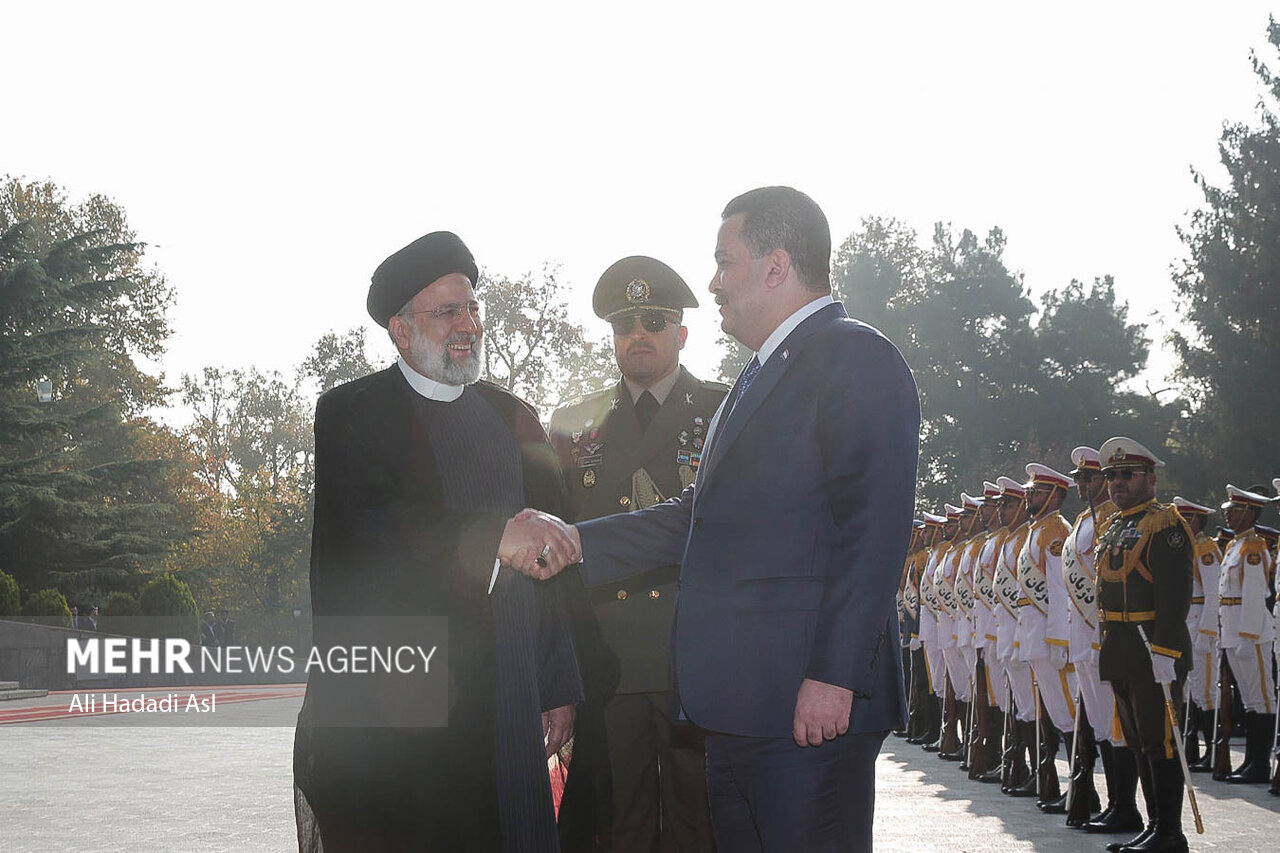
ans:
(428, 387)
(788, 325)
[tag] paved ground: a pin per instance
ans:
(88, 786)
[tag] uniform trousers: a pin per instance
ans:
(997, 689)
(955, 663)
(659, 777)
(1057, 691)
(1202, 680)
(1024, 697)
(1099, 702)
(1140, 705)
(770, 796)
(937, 670)
(1251, 665)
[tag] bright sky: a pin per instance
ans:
(274, 153)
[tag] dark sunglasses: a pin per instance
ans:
(653, 321)
(1121, 474)
(1085, 477)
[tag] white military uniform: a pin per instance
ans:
(1247, 630)
(1080, 578)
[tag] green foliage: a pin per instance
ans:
(47, 607)
(81, 503)
(1227, 294)
(1002, 382)
(532, 348)
(120, 615)
(169, 608)
(337, 359)
(9, 600)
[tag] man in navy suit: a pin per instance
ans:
(791, 540)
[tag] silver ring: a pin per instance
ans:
(541, 559)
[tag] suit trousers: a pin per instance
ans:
(770, 796)
(1099, 703)
(659, 777)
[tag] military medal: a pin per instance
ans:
(588, 478)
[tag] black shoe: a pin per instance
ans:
(958, 755)
(1058, 806)
(1172, 841)
(1026, 789)
(1117, 846)
(1120, 819)
(992, 776)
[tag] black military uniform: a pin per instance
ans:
(613, 463)
(1144, 560)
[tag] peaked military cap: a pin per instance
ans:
(1043, 475)
(400, 277)
(1010, 487)
(1186, 507)
(1243, 498)
(1085, 459)
(1121, 452)
(640, 283)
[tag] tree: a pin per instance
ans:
(336, 359)
(82, 504)
(168, 609)
(9, 599)
(532, 348)
(48, 607)
(1227, 296)
(1001, 382)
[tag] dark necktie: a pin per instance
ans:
(748, 376)
(646, 408)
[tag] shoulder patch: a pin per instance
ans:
(1254, 559)
(1055, 547)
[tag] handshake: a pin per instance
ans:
(539, 545)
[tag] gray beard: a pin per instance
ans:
(433, 360)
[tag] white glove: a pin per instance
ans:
(914, 645)
(1058, 656)
(1162, 668)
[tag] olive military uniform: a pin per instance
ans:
(612, 465)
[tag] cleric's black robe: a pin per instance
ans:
(386, 551)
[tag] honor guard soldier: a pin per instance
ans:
(1016, 779)
(982, 757)
(1096, 723)
(955, 691)
(1202, 624)
(913, 663)
(927, 637)
(967, 546)
(1247, 629)
(1042, 621)
(1144, 592)
(627, 447)
(987, 607)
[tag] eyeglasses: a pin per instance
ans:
(451, 311)
(653, 321)
(1125, 474)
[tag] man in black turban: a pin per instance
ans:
(419, 471)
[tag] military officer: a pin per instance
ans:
(1097, 719)
(1247, 629)
(1043, 640)
(629, 446)
(978, 585)
(1144, 592)
(912, 664)
(954, 689)
(1202, 624)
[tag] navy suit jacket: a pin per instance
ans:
(792, 538)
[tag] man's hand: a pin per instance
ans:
(1058, 656)
(538, 544)
(822, 712)
(915, 645)
(557, 727)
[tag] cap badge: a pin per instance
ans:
(638, 291)
(1117, 456)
